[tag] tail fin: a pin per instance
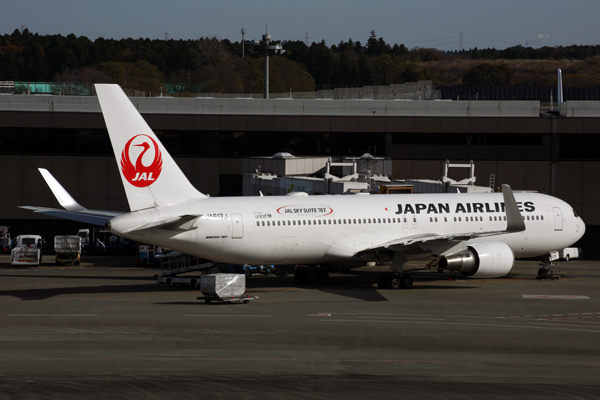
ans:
(150, 176)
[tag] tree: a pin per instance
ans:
(488, 75)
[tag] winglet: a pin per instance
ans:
(63, 197)
(514, 220)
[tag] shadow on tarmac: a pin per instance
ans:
(359, 285)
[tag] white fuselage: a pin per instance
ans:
(323, 229)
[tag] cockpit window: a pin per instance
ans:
(574, 213)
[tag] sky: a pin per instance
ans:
(424, 23)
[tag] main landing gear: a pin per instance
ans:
(394, 281)
(311, 274)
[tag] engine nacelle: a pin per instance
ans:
(481, 260)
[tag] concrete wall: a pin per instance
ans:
(328, 107)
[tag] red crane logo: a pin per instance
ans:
(140, 175)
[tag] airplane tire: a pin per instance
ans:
(395, 282)
(311, 277)
(324, 277)
(567, 257)
(406, 282)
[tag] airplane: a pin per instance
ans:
(478, 235)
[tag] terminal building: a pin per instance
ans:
(212, 139)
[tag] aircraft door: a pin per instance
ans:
(415, 224)
(558, 220)
(237, 226)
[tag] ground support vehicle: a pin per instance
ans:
(146, 254)
(101, 241)
(68, 249)
(566, 254)
(175, 263)
(27, 250)
(226, 288)
(250, 270)
(5, 240)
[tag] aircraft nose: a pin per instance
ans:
(580, 227)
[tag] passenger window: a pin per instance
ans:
(445, 219)
(454, 219)
(435, 219)
(263, 223)
(354, 221)
(304, 222)
(257, 223)
(430, 219)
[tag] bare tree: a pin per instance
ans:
(78, 82)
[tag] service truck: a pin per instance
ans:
(68, 249)
(27, 250)
(5, 240)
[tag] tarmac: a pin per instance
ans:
(107, 330)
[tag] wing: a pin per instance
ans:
(72, 209)
(514, 223)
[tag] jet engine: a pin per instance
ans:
(481, 260)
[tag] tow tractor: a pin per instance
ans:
(175, 263)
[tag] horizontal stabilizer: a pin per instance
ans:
(179, 223)
(93, 217)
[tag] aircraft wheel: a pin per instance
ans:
(406, 282)
(311, 277)
(324, 277)
(207, 301)
(395, 282)
(567, 257)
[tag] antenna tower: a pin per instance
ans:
(306, 41)
(243, 32)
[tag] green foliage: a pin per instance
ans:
(488, 75)
(215, 64)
